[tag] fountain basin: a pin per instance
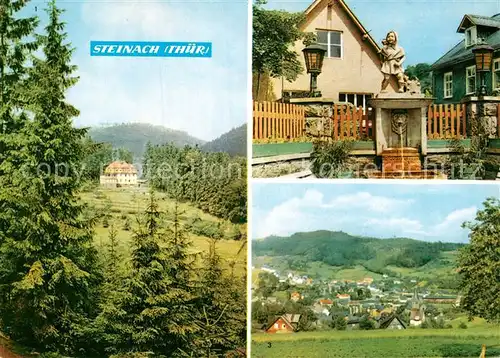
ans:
(422, 174)
(401, 159)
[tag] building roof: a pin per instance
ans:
(292, 318)
(289, 320)
(353, 17)
(120, 167)
(459, 53)
(479, 20)
(387, 321)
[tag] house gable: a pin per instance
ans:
(312, 12)
(478, 20)
(281, 324)
(460, 57)
(357, 69)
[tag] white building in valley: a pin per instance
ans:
(119, 174)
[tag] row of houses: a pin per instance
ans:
(351, 67)
(382, 317)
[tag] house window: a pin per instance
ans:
(332, 40)
(496, 74)
(357, 99)
(470, 36)
(470, 80)
(276, 325)
(448, 85)
(283, 326)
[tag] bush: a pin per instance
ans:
(366, 323)
(462, 325)
(206, 228)
(329, 160)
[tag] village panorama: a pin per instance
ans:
(355, 282)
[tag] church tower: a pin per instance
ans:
(417, 315)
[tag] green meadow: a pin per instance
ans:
(381, 343)
(125, 204)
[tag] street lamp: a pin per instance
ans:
(313, 55)
(483, 54)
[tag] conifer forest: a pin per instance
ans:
(61, 295)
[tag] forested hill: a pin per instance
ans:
(233, 142)
(134, 136)
(342, 249)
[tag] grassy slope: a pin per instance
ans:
(381, 343)
(442, 267)
(130, 202)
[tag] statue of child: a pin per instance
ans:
(392, 61)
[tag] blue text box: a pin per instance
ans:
(150, 49)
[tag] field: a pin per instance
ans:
(124, 204)
(381, 343)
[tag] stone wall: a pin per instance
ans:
(488, 114)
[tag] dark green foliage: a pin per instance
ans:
(214, 182)
(479, 264)
(15, 49)
(154, 309)
(113, 257)
(205, 228)
(422, 72)
(329, 160)
(97, 156)
(123, 154)
(339, 322)
(471, 161)
(274, 33)
(134, 137)
(341, 249)
(366, 323)
(233, 142)
(222, 308)
(48, 266)
(462, 325)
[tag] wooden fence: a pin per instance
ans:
(348, 122)
(446, 121)
(272, 120)
(278, 120)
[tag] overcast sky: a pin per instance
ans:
(430, 212)
(202, 96)
(427, 29)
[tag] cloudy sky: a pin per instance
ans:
(203, 96)
(430, 212)
(426, 28)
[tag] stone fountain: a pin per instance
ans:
(400, 119)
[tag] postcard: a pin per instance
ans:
(123, 178)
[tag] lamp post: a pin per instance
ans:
(314, 55)
(483, 54)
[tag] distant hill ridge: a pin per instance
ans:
(135, 136)
(337, 248)
(233, 142)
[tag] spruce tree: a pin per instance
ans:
(14, 51)
(155, 310)
(221, 308)
(113, 257)
(49, 267)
